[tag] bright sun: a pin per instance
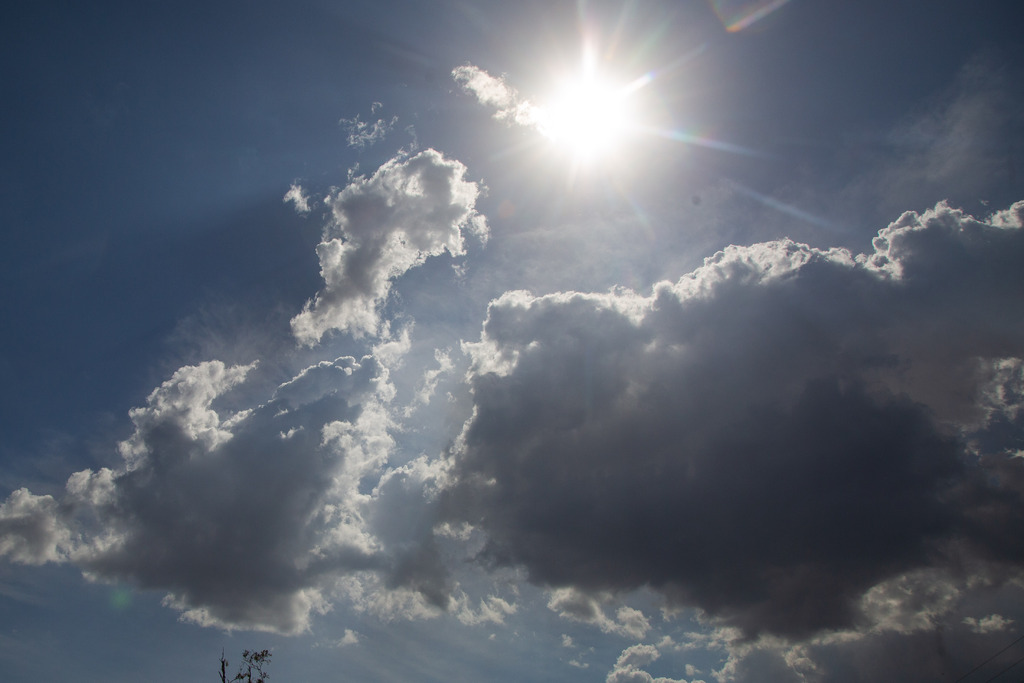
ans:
(588, 116)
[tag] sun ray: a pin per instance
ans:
(708, 142)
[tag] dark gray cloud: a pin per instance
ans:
(769, 437)
(239, 517)
(927, 625)
(248, 519)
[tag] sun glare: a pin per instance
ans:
(587, 116)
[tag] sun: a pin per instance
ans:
(588, 116)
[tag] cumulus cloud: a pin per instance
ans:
(629, 666)
(246, 519)
(239, 528)
(769, 438)
(30, 530)
(407, 211)
(815, 448)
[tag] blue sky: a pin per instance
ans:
(535, 341)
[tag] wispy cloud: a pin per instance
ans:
(989, 624)
(297, 196)
(575, 605)
(362, 134)
(496, 93)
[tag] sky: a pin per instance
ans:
(561, 340)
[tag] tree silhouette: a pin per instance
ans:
(250, 670)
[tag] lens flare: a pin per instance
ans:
(737, 15)
(692, 138)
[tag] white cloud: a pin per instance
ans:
(491, 609)
(368, 593)
(574, 605)
(362, 134)
(629, 666)
(431, 378)
(297, 196)
(637, 656)
(31, 531)
(917, 601)
(1003, 394)
(184, 401)
(350, 638)
(990, 624)
(496, 93)
(407, 211)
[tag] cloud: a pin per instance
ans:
(768, 438)
(958, 146)
(492, 609)
(350, 638)
(241, 527)
(989, 624)
(912, 602)
(362, 134)
(629, 666)
(184, 403)
(408, 210)
(298, 197)
(811, 446)
(915, 631)
(637, 656)
(30, 530)
(574, 605)
(246, 518)
(431, 378)
(496, 93)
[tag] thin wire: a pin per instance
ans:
(989, 660)
(1004, 670)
